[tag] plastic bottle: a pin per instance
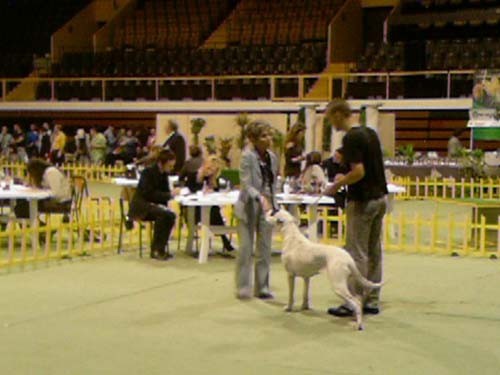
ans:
(286, 186)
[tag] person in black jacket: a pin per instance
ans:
(177, 144)
(151, 199)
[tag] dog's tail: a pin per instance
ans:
(363, 280)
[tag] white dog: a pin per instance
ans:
(303, 258)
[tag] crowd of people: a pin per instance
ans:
(357, 164)
(85, 146)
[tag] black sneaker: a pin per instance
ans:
(265, 295)
(341, 311)
(371, 310)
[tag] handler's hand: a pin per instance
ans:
(332, 189)
(266, 206)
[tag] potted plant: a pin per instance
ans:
(408, 153)
(196, 125)
(473, 162)
(278, 142)
(210, 145)
(225, 145)
(242, 120)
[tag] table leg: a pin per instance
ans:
(312, 228)
(205, 234)
(191, 225)
(293, 209)
(34, 225)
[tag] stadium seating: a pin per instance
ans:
(431, 36)
(163, 38)
(26, 28)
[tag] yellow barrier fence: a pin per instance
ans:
(91, 172)
(97, 232)
(449, 188)
(415, 233)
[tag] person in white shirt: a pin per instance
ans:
(44, 175)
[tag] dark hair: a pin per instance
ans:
(36, 168)
(173, 125)
(313, 158)
(255, 129)
(164, 156)
(294, 130)
(338, 105)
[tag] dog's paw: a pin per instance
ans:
(288, 309)
(306, 306)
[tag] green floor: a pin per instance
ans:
(123, 315)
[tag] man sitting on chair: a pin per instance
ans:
(151, 199)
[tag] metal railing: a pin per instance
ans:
(297, 87)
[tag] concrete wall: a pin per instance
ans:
(218, 125)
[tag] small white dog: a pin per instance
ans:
(303, 258)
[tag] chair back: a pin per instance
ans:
(79, 190)
(232, 175)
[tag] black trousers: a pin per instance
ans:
(164, 221)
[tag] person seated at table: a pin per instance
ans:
(44, 175)
(208, 178)
(188, 175)
(334, 165)
(150, 202)
(313, 178)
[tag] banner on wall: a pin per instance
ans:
(484, 117)
(485, 110)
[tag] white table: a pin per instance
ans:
(32, 195)
(206, 201)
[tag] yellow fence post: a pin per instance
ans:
(449, 236)
(482, 236)
(434, 228)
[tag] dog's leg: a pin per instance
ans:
(353, 303)
(305, 301)
(291, 290)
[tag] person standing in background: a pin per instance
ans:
(58, 144)
(6, 140)
(82, 146)
(177, 144)
(454, 144)
(45, 141)
(32, 140)
(294, 150)
(366, 203)
(98, 145)
(259, 168)
(20, 143)
(111, 139)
